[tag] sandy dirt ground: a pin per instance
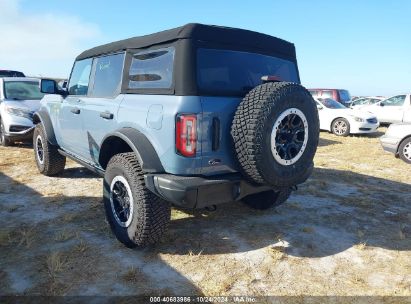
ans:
(346, 231)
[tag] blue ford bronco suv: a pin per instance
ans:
(193, 116)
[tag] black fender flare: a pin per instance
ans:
(139, 144)
(43, 117)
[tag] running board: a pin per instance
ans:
(84, 163)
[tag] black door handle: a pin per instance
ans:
(75, 110)
(106, 115)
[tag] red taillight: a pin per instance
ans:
(186, 134)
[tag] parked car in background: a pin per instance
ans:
(363, 101)
(10, 73)
(397, 140)
(19, 99)
(342, 121)
(392, 110)
(342, 96)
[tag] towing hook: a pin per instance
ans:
(211, 208)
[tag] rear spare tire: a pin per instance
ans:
(275, 132)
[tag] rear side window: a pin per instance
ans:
(228, 72)
(152, 69)
(80, 76)
(395, 101)
(327, 94)
(344, 95)
(108, 72)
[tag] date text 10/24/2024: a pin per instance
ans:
(203, 299)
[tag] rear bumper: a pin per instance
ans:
(389, 144)
(199, 192)
(363, 127)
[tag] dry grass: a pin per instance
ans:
(133, 275)
(346, 231)
(27, 237)
(55, 263)
(64, 235)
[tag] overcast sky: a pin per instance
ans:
(362, 46)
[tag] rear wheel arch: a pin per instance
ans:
(130, 140)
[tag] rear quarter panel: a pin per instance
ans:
(154, 116)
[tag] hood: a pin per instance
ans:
(357, 113)
(31, 105)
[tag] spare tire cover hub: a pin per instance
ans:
(289, 136)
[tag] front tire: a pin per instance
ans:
(137, 216)
(267, 199)
(404, 150)
(49, 161)
(4, 140)
(340, 127)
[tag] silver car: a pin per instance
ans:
(397, 140)
(19, 99)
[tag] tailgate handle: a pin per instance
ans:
(216, 134)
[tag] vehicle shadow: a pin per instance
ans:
(78, 172)
(36, 231)
(315, 222)
(323, 142)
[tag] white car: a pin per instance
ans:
(397, 140)
(395, 109)
(343, 121)
(365, 101)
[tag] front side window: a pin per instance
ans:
(22, 90)
(228, 72)
(152, 69)
(395, 101)
(108, 72)
(80, 77)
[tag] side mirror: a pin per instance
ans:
(382, 104)
(319, 107)
(49, 86)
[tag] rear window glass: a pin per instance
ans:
(228, 72)
(344, 95)
(152, 69)
(11, 74)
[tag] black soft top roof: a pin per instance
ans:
(200, 32)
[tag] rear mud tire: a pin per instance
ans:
(147, 215)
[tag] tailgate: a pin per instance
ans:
(216, 145)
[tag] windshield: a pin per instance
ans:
(331, 103)
(226, 72)
(22, 90)
(344, 95)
